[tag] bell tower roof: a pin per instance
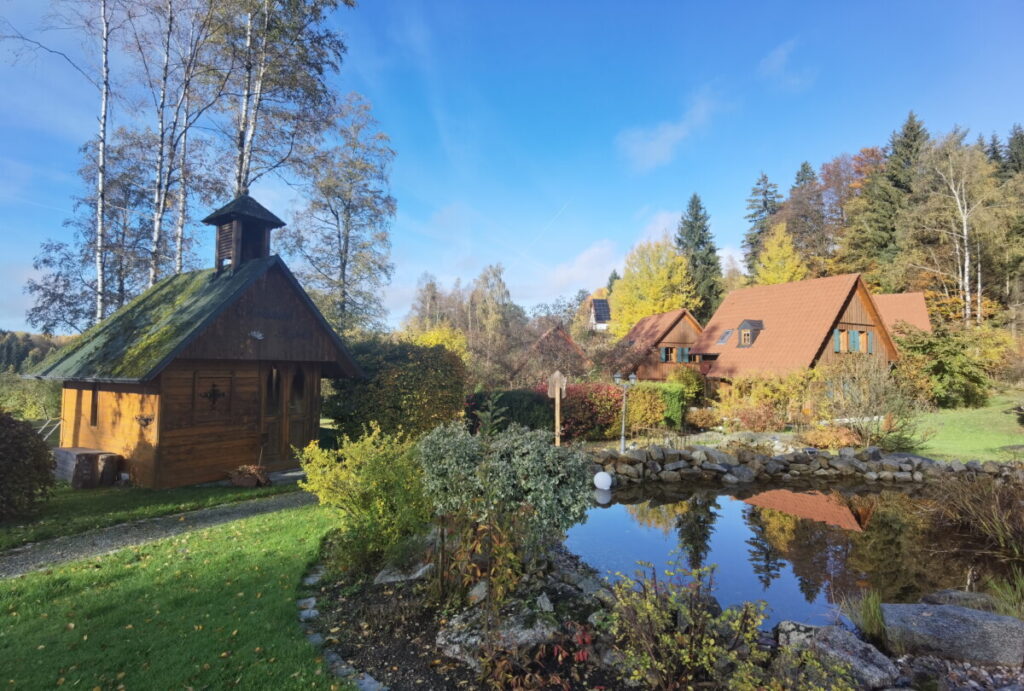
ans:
(246, 209)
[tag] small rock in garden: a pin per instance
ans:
(730, 479)
(744, 474)
(869, 667)
(308, 614)
(544, 603)
(477, 593)
(395, 576)
(306, 603)
(793, 633)
(313, 578)
(315, 639)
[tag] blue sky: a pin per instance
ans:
(551, 137)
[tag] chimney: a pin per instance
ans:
(243, 232)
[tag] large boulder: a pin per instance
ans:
(462, 636)
(956, 633)
(837, 646)
(962, 598)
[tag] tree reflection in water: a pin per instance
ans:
(835, 543)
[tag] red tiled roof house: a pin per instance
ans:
(777, 329)
(662, 342)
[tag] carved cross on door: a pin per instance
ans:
(213, 395)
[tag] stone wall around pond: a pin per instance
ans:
(707, 465)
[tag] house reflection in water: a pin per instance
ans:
(816, 506)
(802, 551)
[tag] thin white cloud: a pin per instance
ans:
(659, 224)
(588, 270)
(728, 252)
(647, 148)
(777, 68)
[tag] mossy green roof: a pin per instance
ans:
(135, 343)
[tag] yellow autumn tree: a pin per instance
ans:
(656, 279)
(442, 335)
(779, 261)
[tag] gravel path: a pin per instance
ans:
(40, 555)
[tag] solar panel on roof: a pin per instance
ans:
(725, 336)
(602, 313)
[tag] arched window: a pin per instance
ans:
(273, 403)
(297, 400)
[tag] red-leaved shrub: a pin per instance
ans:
(590, 411)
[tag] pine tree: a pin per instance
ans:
(804, 176)
(905, 148)
(805, 218)
(779, 261)
(612, 278)
(994, 150)
(1015, 150)
(762, 204)
(694, 240)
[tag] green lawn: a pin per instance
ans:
(976, 433)
(70, 512)
(211, 609)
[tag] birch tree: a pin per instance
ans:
(171, 44)
(282, 54)
(342, 236)
(96, 21)
(959, 211)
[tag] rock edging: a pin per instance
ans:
(308, 613)
(658, 464)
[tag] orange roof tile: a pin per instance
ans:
(903, 307)
(824, 508)
(797, 319)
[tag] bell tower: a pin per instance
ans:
(243, 232)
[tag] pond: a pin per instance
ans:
(802, 551)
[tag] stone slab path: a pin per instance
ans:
(49, 553)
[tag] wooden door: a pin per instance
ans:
(289, 391)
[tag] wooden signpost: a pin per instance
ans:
(556, 390)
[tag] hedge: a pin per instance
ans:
(408, 388)
(591, 411)
(524, 407)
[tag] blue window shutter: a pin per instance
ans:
(684, 354)
(855, 341)
(871, 342)
(836, 341)
(664, 354)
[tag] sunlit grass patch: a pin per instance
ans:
(211, 609)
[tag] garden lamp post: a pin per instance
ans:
(625, 384)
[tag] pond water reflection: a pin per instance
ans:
(802, 551)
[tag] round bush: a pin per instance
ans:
(26, 468)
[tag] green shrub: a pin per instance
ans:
(671, 635)
(409, 388)
(29, 399)
(691, 382)
(375, 487)
(876, 406)
(952, 362)
(764, 403)
(645, 407)
(26, 468)
(704, 418)
(590, 411)
(505, 495)
(525, 407)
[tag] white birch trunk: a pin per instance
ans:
(161, 177)
(101, 166)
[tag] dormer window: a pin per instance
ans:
(749, 330)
